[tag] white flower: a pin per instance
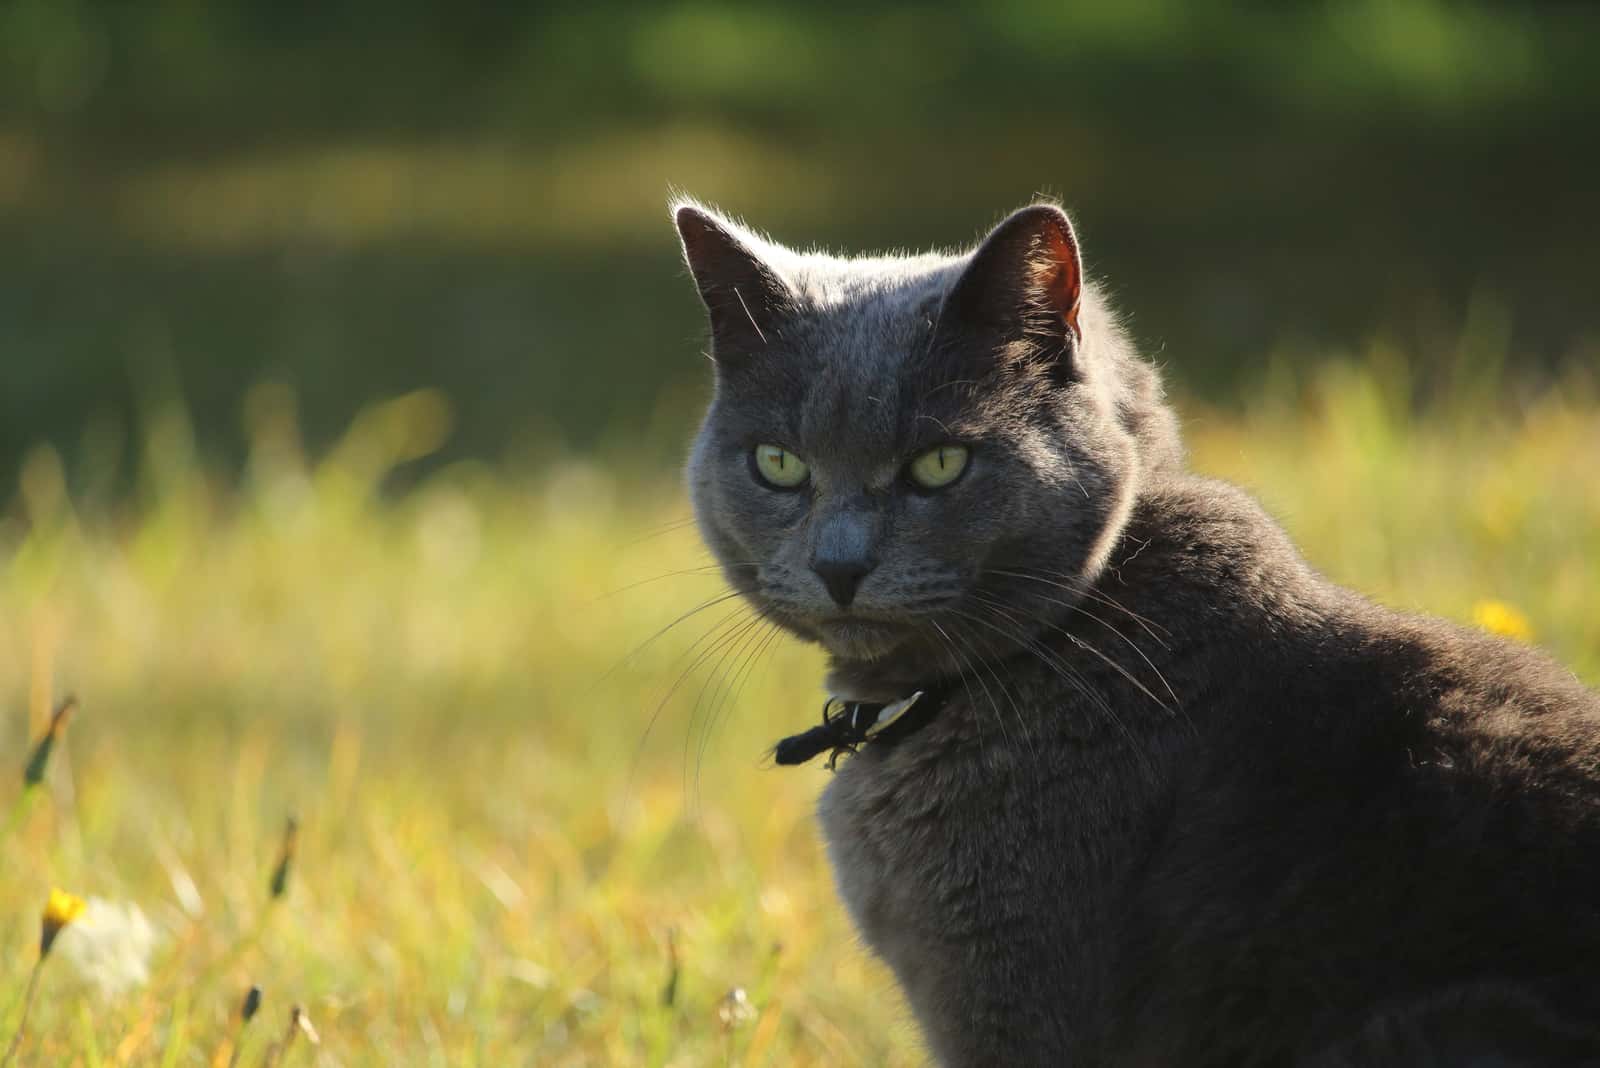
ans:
(110, 945)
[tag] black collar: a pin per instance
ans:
(847, 725)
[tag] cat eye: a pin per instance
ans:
(938, 467)
(779, 467)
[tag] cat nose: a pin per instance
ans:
(843, 553)
(841, 575)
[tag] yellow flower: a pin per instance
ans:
(1497, 617)
(60, 910)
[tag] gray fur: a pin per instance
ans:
(1191, 803)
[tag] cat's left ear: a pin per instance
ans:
(1025, 283)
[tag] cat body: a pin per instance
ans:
(1364, 811)
(1184, 801)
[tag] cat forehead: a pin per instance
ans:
(863, 318)
(864, 398)
(866, 345)
(845, 380)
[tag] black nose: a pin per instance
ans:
(841, 576)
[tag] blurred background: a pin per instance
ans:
(358, 200)
(346, 364)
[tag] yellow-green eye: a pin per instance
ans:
(780, 467)
(939, 467)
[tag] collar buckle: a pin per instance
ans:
(846, 726)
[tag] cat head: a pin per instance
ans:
(908, 458)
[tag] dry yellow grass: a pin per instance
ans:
(500, 860)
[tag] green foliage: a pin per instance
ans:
(505, 855)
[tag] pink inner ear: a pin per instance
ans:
(1057, 275)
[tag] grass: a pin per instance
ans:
(503, 856)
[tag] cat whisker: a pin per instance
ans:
(631, 654)
(1050, 657)
(985, 665)
(961, 669)
(956, 648)
(665, 528)
(1083, 589)
(1086, 646)
(1149, 626)
(769, 637)
(729, 649)
(1080, 610)
(1064, 671)
(1131, 643)
(715, 634)
(1099, 593)
(703, 569)
(757, 647)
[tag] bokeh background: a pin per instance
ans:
(346, 364)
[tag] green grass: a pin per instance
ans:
(497, 848)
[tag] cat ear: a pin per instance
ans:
(1024, 283)
(745, 296)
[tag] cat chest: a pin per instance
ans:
(969, 854)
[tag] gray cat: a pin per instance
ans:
(1132, 784)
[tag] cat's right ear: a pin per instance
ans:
(1023, 284)
(746, 297)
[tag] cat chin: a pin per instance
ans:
(860, 640)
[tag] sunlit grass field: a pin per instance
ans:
(528, 834)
